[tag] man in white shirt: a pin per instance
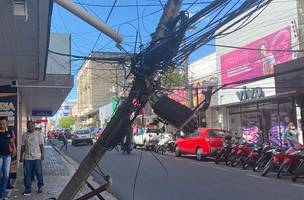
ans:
(32, 154)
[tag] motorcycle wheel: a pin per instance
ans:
(299, 170)
(177, 152)
(256, 168)
(267, 168)
(237, 161)
(162, 150)
(218, 158)
(231, 159)
(282, 170)
(156, 149)
(257, 164)
(246, 164)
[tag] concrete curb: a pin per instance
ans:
(106, 194)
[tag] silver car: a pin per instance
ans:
(82, 136)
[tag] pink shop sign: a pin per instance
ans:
(242, 64)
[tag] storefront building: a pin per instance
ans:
(33, 81)
(260, 115)
(253, 108)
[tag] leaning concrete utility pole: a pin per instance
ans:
(98, 24)
(119, 123)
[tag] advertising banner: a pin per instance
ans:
(242, 64)
(8, 108)
(179, 96)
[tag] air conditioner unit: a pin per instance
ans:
(20, 9)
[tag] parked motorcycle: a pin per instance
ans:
(291, 160)
(165, 144)
(234, 150)
(253, 156)
(300, 169)
(278, 155)
(265, 156)
(241, 154)
(233, 153)
(223, 154)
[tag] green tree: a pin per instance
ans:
(66, 122)
(174, 78)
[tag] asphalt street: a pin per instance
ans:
(186, 178)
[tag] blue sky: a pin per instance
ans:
(122, 18)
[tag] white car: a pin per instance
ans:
(82, 136)
(147, 138)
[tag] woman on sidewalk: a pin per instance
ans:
(291, 134)
(7, 149)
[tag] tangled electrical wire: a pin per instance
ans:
(227, 16)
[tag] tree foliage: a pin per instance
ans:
(174, 78)
(66, 122)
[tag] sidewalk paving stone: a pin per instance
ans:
(57, 172)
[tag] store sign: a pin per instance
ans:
(250, 93)
(42, 113)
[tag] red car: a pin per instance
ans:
(202, 143)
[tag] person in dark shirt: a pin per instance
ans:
(7, 149)
(65, 141)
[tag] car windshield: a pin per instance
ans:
(216, 134)
(82, 132)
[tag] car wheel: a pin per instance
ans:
(199, 154)
(91, 143)
(177, 152)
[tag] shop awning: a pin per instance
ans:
(45, 96)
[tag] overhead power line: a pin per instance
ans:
(114, 59)
(190, 4)
(139, 5)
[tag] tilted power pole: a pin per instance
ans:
(139, 95)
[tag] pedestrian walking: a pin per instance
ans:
(65, 141)
(32, 154)
(7, 150)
